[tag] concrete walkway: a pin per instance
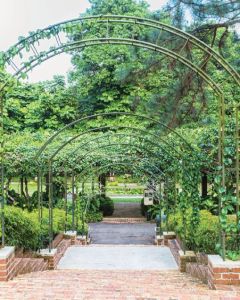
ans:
(123, 234)
(118, 258)
(127, 210)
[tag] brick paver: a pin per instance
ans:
(120, 285)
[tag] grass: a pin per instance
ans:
(32, 186)
(133, 200)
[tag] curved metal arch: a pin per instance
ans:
(104, 115)
(122, 154)
(116, 135)
(135, 146)
(109, 127)
(124, 164)
(108, 19)
(132, 145)
(123, 144)
(131, 42)
(232, 73)
(132, 159)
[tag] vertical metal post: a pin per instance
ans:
(83, 187)
(183, 211)
(65, 199)
(237, 163)
(2, 203)
(93, 185)
(73, 202)
(221, 145)
(2, 174)
(50, 200)
(160, 208)
(39, 194)
(41, 205)
(175, 197)
(77, 204)
(39, 191)
(81, 213)
(76, 186)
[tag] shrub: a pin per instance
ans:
(106, 204)
(207, 233)
(92, 217)
(58, 222)
(144, 208)
(93, 210)
(205, 236)
(21, 230)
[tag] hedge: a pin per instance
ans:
(23, 230)
(206, 235)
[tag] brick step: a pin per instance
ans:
(28, 265)
(123, 220)
(96, 284)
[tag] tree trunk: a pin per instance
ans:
(8, 185)
(21, 187)
(26, 192)
(102, 184)
(204, 186)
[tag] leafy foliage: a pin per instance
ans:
(122, 78)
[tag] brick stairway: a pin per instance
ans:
(28, 265)
(139, 285)
(129, 220)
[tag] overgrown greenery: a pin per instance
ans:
(23, 229)
(206, 237)
(121, 78)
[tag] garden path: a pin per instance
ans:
(114, 272)
(110, 285)
(127, 210)
(123, 234)
(118, 257)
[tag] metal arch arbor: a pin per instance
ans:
(96, 129)
(110, 114)
(113, 163)
(55, 31)
(142, 150)
(92, 150)
(130, 163)
(81, 146)
(100, 169)
(157, 178)
(109, 144)
(51, 195)
(73, 138)
(103, 128)
(31, 43)
(64, 144)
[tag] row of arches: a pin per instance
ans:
(73, 35)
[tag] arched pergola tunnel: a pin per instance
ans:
(92, 170)
(128, 137)
(28, 53)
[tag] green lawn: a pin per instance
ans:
(133, 200)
